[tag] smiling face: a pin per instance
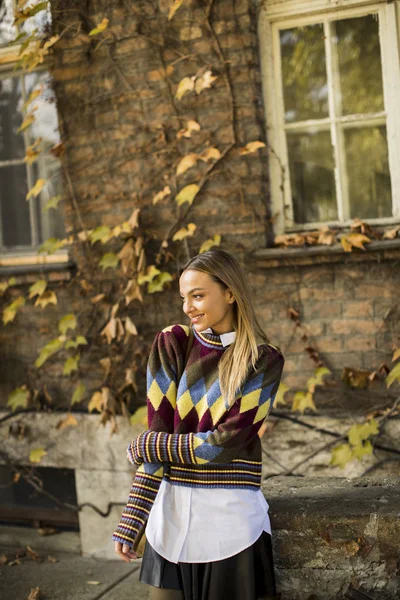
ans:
(206, 302)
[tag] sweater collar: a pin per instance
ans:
(214, 340)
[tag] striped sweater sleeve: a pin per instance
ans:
(223, 444)
(163, 370)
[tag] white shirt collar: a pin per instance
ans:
(226, 338)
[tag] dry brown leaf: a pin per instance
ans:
(186, 163)
(132, 292)
(110, 330)
(251, 147)
(161, 195)
(210, 154)
(187, 132)
(127, 256)
(204, 81)
(33, 554)
(34, 594)
(130, 326)
(96, 402)
(346, 245)
(134, 218)
(358, 240)
(396, 354)
(68, 421)
(106, 364)
(326, 236)
(356, 378)
(47, 531)
(390, 234)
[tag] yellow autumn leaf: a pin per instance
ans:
(50, 42)
(130, 326)
(251, 147)
(187, 194)
(68, 421)
(162, 194)
(96, 402)
(46, 298)
(361, 449)
(185, 86)
(346, 245)
(204, 81)
(184, 232)
(186, 132)
(151, 272)
(27, 122)
(280, 394)
(394, 375)
(361, 431)
(79, 341)
(33, 151)
(49, 349)
(71, 364)
(208, 244)
(158, 282)
(79, 393)
(37, 188)
(139, 417)
(109, 260)
(11, 310)
(100, 27)
(210, 154)
(101, 233)
(186, 163)
(19, 398)
(302, 401)
(358, 240)
(341, 455)
(32, 96)
(174, 7)
(67, 322)
(52, 202)
(37, 288)
(396, 354)
(317, 378)
(36, 455)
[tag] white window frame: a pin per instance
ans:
(25, 255)
(282, 14)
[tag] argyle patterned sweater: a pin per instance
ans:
(194, 438)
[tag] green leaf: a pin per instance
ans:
(341, 455)
(100, 27)
(36, 455)
(78, 394)
(109, 260)
(51, 245)
(187, 194)
(280, 394)
(101, 233)
(19, 398)
(37, 288)
(139, 417)
(394, 375)
(67, 322)
(38, 8)
(11, 310)
(158, 282)
(53, 202)
(151, 273)
(71, 364)
(361, 449)
(208, 244)
(80, 341)
(49, 349)
(362, 431)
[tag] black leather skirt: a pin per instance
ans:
(248, 575)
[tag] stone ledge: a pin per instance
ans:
(376, 251)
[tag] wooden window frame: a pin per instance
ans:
(280, 14)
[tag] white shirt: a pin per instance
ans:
(196, 525)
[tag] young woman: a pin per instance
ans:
(197, 486)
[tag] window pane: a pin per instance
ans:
(51, 222)
(14, 207)
(7, 31)
(304, 78)
(312, 176)
(368, 172)
(359, 57)
(45, 124)
(11, 142)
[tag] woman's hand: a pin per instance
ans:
(124, 552)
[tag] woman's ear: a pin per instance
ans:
(231, 298)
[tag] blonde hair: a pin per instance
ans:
(242, 355)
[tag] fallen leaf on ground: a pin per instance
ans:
(93, 582)
(52, 559)
(33, 554)
(34, 594)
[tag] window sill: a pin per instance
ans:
(32, 263)
(376, 251)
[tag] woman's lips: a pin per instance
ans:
(197, 318)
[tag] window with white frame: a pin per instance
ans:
(332, 95)
(25, 224)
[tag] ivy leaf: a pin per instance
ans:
(184, 232)
(361, 431)
(27, 122)
(51, 245)
(33, 152)
(80, 341)
(4, 285)
(396, 354)
(132, 292)
(204, 81)
(37, 188)
(151, 272)
(139, 417)
(53, 202)
(358, 240)
(186, 163)
(187, 131)
(11, 310)
(214, 241)
(251, 147)
(317, 378)
(36, 455)
(34, 10)
(394, 375)
(361, 449)
(78, 394)
(280, 394)
(96, 402)
(32, 96)
(185, 86)
(158, 282)
(161, 195)
(210, 154)
(303, 400)
(100, 27)
(130, 327)
(67, 322)
(174, 7)
(37, 288)
(49, 349)
(19, 398)
(46, 298)
(71, 364)
(109, 260)
(341, 455)
(187, 194)
(101, 233)
(68, 421)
